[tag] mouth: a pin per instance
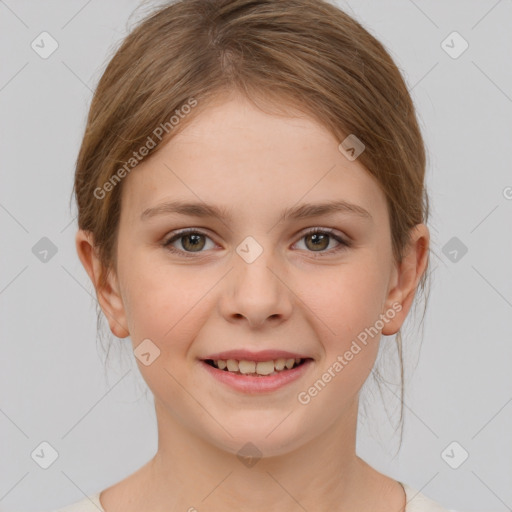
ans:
(252, 368)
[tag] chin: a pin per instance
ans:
(250, 438)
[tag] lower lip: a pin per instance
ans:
(248, 384)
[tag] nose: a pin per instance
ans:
(256, 292)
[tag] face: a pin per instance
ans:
(252, 280)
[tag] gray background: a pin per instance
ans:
(53, 384)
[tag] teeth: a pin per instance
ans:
(265, 367)
(256, 368)
(232, 365)
(247, 366)
(279, 364)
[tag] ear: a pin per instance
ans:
(406, 277)
(108, 296)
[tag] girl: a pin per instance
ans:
(252, 214)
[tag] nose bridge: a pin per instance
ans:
(253, 262)
(256, 291)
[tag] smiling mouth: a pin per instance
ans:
(256, 368)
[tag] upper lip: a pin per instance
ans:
(263, 355)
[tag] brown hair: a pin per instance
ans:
(307, 53)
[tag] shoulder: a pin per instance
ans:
(89, 504)
(418, 502)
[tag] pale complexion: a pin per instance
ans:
(292, 297)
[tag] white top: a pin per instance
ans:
(416, 502)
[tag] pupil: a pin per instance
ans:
(195, 239)
(318, 238)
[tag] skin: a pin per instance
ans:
(236, 156)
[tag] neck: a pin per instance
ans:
(188, 472)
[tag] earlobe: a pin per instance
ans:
(407, 277)
(108, 295)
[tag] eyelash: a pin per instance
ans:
(318, 254)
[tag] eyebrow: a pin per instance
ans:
(303, 211)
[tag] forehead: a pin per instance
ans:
(233, 154)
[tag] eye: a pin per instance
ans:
(193, 241)
(317, 239)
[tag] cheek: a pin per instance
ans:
(348, 300)
(346, 308)
(163, 307)
(163, 303)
